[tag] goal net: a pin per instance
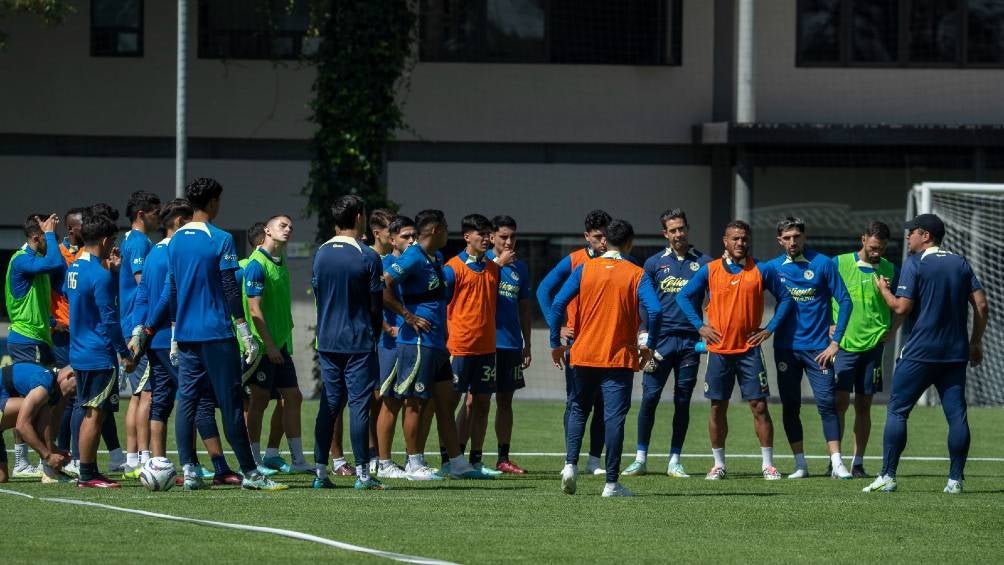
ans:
(974, 228)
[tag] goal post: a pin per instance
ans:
(974, 228)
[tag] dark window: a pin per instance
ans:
(900, 33)
(630, 32)
(252, 29)
(117, 28)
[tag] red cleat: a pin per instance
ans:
(230, 478)
(343, 471)
(179, 481)
(99, 481)
(509, 468)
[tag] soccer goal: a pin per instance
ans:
(974, 228)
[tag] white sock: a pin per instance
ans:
(836, 460)
(132, 459)
(338, 462)
(321, 470)
(767, 453)
(674, 458)
(144, 456)
(256, 452)
(858, 460)
(296, 449)
(20, 455)
(719, 454)
(189, 470)
(641, 456)
(414, 461)
(271, 452)
(594, 461)
(363, 472)
(799, 461)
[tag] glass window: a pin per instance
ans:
(117, 28)
(985, 32)
(819, 31)
(934, 31)
(873, 34)
(242, 29)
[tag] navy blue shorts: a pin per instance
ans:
(725, 369)
(61, 349)
(509, 370)
(474, 373)
(790, 366)
(265, 374)
(39, 353)
(98, 389)
(163, 384)
(678, 353)
(387, 362)
(418, 368)
(139, 379)
(860, 372)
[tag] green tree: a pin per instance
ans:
(51, 11)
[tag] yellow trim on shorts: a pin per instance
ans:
(141, 385)
(246, 376)
(103, 396)
(403, 387)
(385, 386)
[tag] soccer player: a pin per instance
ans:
(28, 299)
(803, 343)
(43, 395)
(513, 319)
(95, 339)
(268, 303)
(606, 350)
(142, 211)
(402, 234)
(379, 224)
(423, 362)
(202, 261)
(674, 350)
(596, 224)
(934, 288)
(859, 361)
(348, 289)
(735, 285)
(70, 248)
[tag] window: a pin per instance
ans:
(630, 32)
(117, 28)
(900, 33)
(242, 29)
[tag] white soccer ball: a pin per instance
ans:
(158, 474)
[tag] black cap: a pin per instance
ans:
(930, 223)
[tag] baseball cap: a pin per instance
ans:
(930, 223)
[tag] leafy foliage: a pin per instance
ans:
(51, 11)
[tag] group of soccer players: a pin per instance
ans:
(398, 326)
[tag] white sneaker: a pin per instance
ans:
(716, 473)
(800, 473)
(616, 489)
(841, 472)
(953, 487)
(28, 471)
(569, 474)
(882, 483)
(72, 468)
(595, 467)
(392, 471)
(423, 474)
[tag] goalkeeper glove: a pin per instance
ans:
(250, 343)
(175, 355)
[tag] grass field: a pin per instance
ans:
(528, 519)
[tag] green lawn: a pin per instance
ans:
(528, 519)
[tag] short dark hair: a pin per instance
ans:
(31, 227)
(95, 227)
(499, 222)
(597, 220)
(475, 222)
(141, 201)
(345, 210)
(672, 215)
(878, 230)
(177, 208)
(399, 223)
(619, 233)
(381, 218)
(428, 217)
(256, 234)
(201, 191)
(75, 211)
(737, 225)
(274, 216)
(102, 209)
(790, 223)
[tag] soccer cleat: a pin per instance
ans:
(423, 474)
(509, 468)
(594, 468)
(480, 467)
(716, 473)
(256, 480)
(568, 477)
(635, 469)
(858, 472)
(343, 471)
(442, 473)
(266, 471)
(99, 481)
(204, 473)
(72, 468)
(676, 470)
(616, 489)
(467, 471)
(303, 467)
(391, 471)
(277, 463)
(51, 476)
(841, 472)
(230, 478)
(132, 472)
(28, 471)
(772, 474)
(370, 484)
(320, 483)
(116, 464)
(953, 487)
(800, 473)
(194, 482)
(882, 483)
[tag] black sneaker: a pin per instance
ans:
(858, 472)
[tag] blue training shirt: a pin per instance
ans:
(813, 281)
(390, 316)
(346, 275)
(939, 282)
(25, 267)
(670, 273)
(198, 254)
(423, 293)
(95, 333)
(155, 271)
(29, 376)
(514, 286)
(134, 248)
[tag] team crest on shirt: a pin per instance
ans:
(419, 387)
(809, 275)
(397, 269)
(782, 366)
(515, 276)
(694, 267)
